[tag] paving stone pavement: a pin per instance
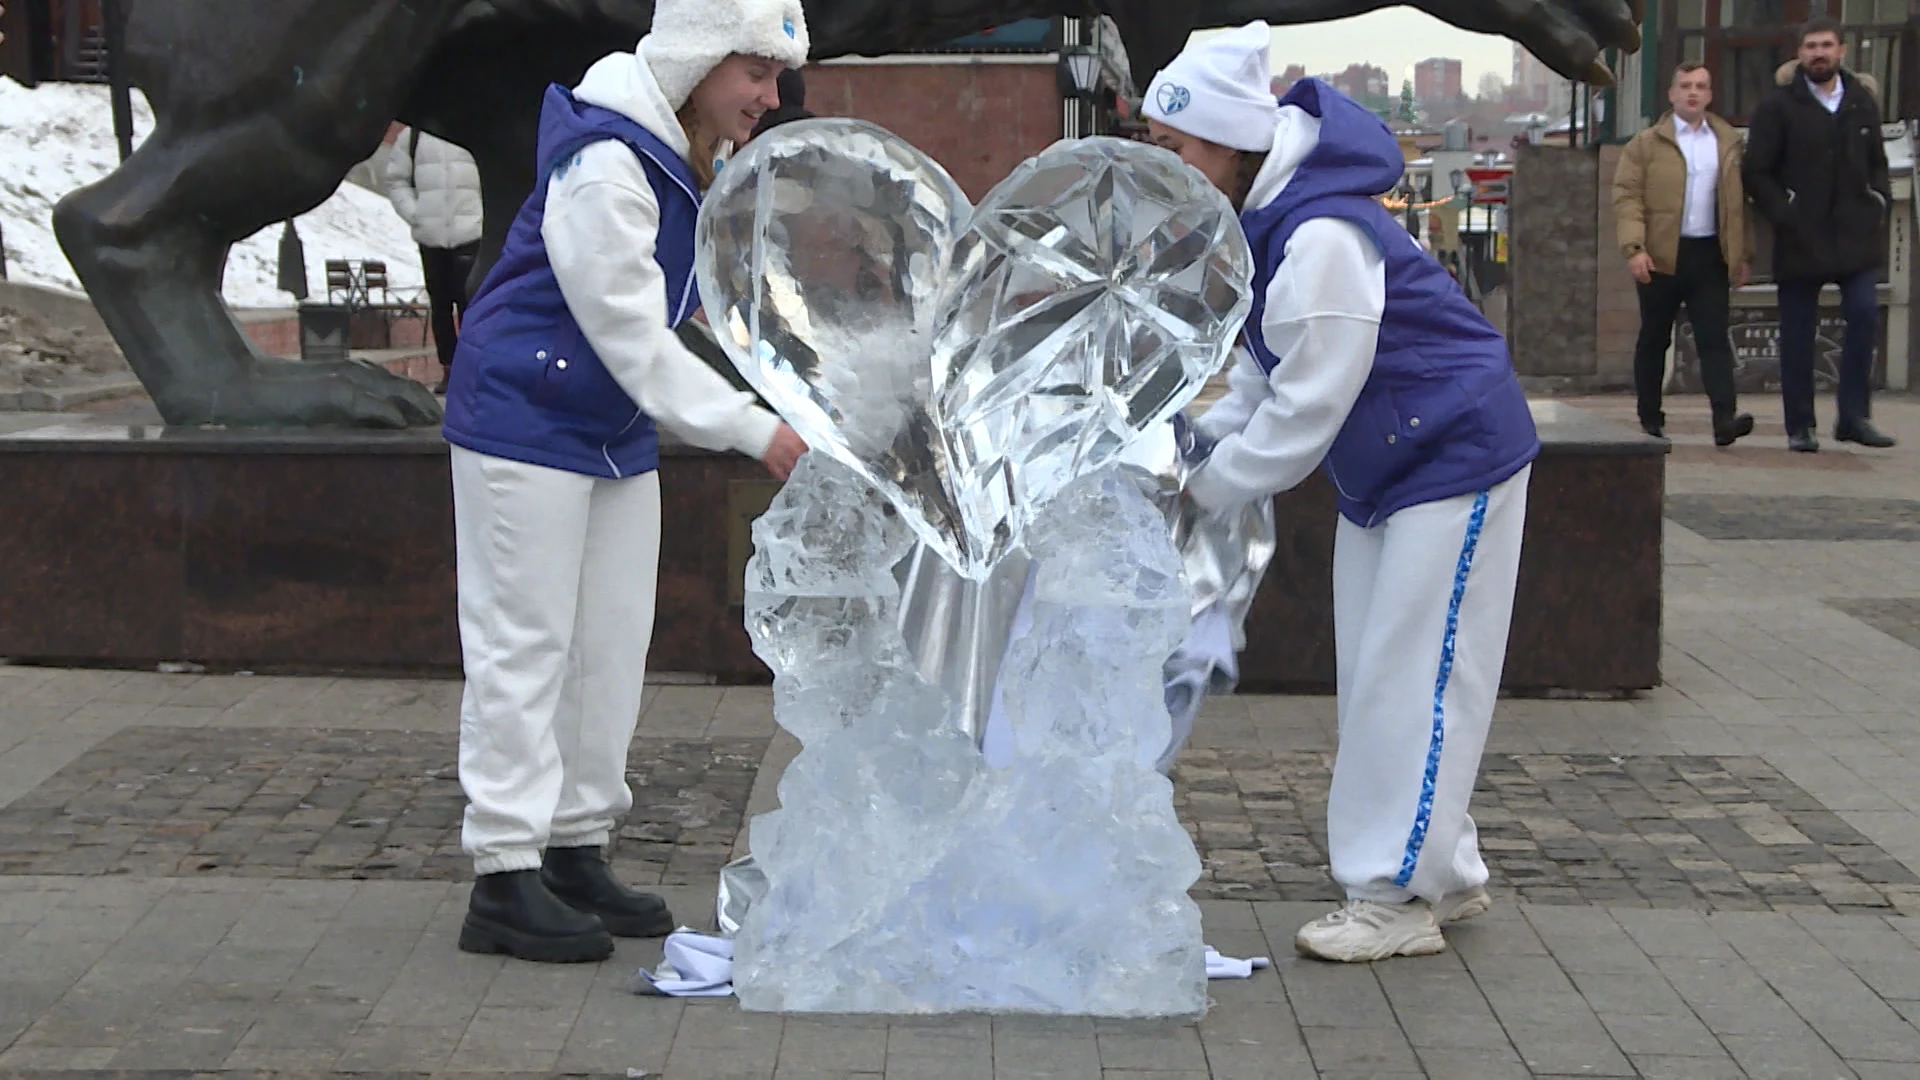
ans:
(212, 802)
(1796, 517)
(1710, 833)
(1896, 617)
(1713, 879)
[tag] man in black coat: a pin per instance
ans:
(1817, 168)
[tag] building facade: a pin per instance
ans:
(53, 41)
(1437, 79)
(982, 104)
(1534, 85)
(1743, 42)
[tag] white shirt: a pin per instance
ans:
(1831, 99)
(1702, 151)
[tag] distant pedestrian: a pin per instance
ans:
(1681, 211)
(1817, 168)
(435, 187)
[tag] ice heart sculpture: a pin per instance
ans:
(969, 362)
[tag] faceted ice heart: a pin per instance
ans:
(969, 363)
(1096, 291)
(819, 258)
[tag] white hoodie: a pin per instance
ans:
(1322, 320)
(601, 220)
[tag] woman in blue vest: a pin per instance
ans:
(1363, 357)
(567, 359)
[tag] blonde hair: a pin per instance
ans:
(700, 147)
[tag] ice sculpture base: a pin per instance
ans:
(903, 875)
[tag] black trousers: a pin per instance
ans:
(1701, 282)
(1799, 318)
(447, 270)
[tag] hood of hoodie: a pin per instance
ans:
(623, 83)
(1324, 144)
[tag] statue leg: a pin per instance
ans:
(150, 242)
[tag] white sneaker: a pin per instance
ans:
(1463, 905)
(1365, 930)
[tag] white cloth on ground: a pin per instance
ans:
(692, 965)
(701, 965)
(1226, 967)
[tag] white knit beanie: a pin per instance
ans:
(1220, 90)
(690, 37)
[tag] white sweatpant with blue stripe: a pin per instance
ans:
(1421, 607)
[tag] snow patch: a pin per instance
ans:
(59, 136)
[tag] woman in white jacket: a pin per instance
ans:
(567, 359)
(434, 186)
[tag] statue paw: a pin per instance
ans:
(298, 393)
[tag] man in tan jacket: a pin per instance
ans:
(1681, 213)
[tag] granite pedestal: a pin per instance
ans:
(236, 549)
(333, 550)
(1586, 615)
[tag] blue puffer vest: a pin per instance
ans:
(526, 384)
(1442, 413)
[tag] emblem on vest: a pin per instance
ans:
(1172, 99)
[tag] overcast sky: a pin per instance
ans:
(1395, 39)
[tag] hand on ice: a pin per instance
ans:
(1194, 447)
(783, 453)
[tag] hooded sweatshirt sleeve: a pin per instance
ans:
(601, 220)
(1322, 321)
(1246, 389)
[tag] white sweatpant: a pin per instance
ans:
(1421, 607)
(556, 585)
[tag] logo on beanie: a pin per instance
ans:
(787, 25)
(1172, 99)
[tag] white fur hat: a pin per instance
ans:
(691, 37)
(1220, 90)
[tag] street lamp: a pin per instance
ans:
(1079, 72)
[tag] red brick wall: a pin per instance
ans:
(275, 333)
(977, 120)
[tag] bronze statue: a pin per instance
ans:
(262, 108)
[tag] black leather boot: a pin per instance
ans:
(581, 877)
(1729, 429)
(515, 914)
(1864, 433)
(1802, 442)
